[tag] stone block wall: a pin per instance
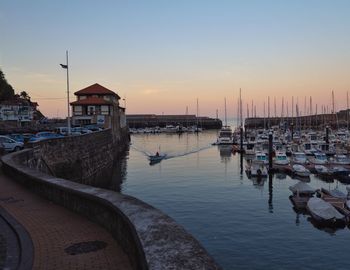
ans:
(78, 158)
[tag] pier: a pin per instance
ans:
(334, 120)
(153, 120)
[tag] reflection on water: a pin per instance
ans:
(243, 223)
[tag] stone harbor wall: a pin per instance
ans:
(81, 158)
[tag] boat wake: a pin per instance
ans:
(170, 154)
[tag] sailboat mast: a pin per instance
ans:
(240, 106)
(225, 114)
(347, 109)
(268, 112)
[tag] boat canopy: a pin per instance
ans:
(302, 188)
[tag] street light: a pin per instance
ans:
(68, 105)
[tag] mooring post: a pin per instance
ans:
(270, 151)
(327, 135)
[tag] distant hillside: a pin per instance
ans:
(6, 90)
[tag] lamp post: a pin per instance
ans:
(68, 106)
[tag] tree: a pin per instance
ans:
(24, 95)
(6, 90)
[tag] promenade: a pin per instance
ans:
(59, 238)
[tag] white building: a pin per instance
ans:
(17, 110)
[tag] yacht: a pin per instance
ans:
(281, 158)
(299, 158)
(319, 158)
(225, 136)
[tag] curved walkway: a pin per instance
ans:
(61, 238)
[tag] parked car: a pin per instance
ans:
(10, 145)
(93, 127)
(61, 130)
(17, 137)
(27, 136)
(81, 130)
(44, 136)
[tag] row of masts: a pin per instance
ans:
(310, 109)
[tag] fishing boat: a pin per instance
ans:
(324, 212)
(300, 170)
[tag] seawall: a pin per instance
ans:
(151, 239)
(83, 159)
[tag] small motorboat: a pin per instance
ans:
(156, 158)
(322, 171)
(324, 212)
(341, 160)
(336, 193)
(302, 188)
(340, 171)
(300, 170)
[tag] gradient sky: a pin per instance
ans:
(162, 55)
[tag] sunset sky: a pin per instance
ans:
(163, 55)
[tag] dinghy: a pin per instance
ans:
(324, 212)
(300, 170)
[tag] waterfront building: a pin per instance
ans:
(98, 105)
(18, 110)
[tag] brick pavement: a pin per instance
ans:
(54, 228)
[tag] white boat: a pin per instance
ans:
(250, 149)
(225, 136)
(257, 169)
(300, 170)
(340, 171)
(281, 158)
(322, 170)
(299, 158)
(308, 148)
(302, 188)
(319, 159)
(336, 193)
(260, 157)
(324, 212)
(341, 160)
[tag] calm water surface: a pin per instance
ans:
(241, 223)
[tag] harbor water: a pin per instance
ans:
(243, 223)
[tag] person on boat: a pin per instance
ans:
(157, 154)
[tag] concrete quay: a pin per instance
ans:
(44, 235)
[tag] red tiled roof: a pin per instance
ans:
(95, 89)
(91, 101)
